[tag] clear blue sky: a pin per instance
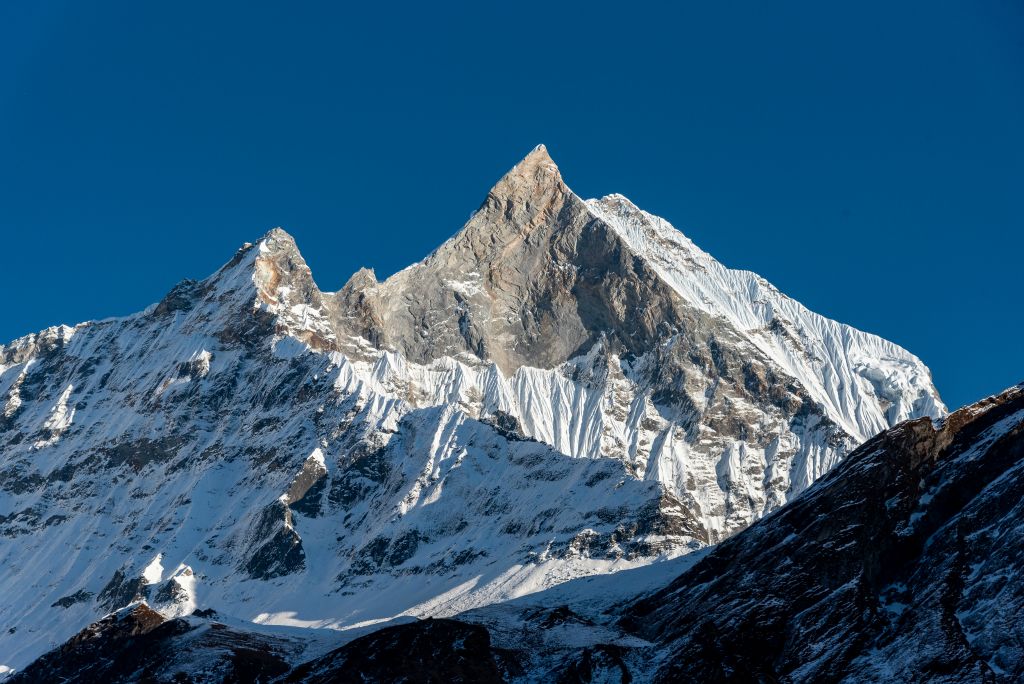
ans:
(868, 159)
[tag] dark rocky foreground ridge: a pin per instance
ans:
(903, 564)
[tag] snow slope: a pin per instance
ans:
(203, 458)
(899, 565)
(866, 383)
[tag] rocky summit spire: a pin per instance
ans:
(522, 284)
(532, 189)
(274, 265)
(536, 168)
(528, 196)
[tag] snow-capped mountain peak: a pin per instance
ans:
(564, 387)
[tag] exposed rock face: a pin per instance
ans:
(564, 388)
(532, 280)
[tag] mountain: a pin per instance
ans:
(564, 388)
(901, 564)
(603, 331)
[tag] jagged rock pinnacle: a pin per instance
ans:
(539, 154)
(277, 237)
(534, 175)
(364, 276)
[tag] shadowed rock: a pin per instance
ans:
(427, 651)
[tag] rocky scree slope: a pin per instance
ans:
(563, 388)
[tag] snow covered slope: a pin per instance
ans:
(901, 564)
(866, 383)
(559, 390)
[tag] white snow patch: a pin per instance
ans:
(154, 572)
(60, 419)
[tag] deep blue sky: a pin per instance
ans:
(869, 160)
